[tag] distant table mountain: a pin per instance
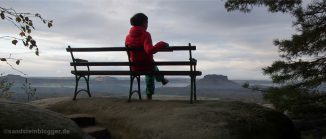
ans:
(217, 81)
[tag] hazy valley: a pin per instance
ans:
(209, 86)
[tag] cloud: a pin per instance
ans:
(226, 41)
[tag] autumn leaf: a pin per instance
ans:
(22, 34)
(37, 15)
(25, 43)
(2, 15)
(17, 62)
(33, 42)
(18, 19)
(49, 24)
(26, 19)
(14, 42)
(23, 28)
(30, 23)
(29, 38)
(37, 52)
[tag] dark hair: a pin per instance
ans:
(138, 19)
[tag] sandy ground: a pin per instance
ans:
(44, 103)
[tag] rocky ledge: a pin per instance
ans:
(171, 119)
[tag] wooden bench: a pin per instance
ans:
(85, 74)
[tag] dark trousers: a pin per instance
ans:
(150, 84)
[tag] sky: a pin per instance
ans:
(234, 44)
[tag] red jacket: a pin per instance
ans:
(139, 37)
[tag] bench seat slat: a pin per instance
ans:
(98, 49)
(165, 63)
(102, 72)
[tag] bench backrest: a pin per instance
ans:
(80, 62)
(192, 62)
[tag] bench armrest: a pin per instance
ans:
(80, 60)
(193, 60)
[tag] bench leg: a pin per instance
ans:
(76, 87)
(138, 91)
(195, 89)
(131, 92)
(130, 89)
(87, 83)
(191, 88)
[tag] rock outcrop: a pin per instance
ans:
(18, 120)
(181, 120)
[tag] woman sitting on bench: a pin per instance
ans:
(139, 37)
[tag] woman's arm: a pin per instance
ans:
(148, 45)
